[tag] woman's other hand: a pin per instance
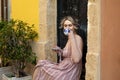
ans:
(57, 49)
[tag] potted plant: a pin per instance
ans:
(5, 66)
(16, 37)
(3, 60)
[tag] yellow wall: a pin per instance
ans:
(26, 10)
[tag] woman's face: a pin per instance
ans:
(68, 25)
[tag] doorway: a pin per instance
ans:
(78, 10)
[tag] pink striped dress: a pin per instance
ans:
(65, 70)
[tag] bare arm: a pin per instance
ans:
(76, 47)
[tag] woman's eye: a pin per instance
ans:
(69, 25)
(65, 25)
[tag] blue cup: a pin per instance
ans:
(66, 31)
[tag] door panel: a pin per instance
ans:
(110, 57)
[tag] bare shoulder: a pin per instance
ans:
(78, 38)
(79, 41)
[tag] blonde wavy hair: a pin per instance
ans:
(71, 19)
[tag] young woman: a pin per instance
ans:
(71, 65)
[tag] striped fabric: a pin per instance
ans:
(65, 70)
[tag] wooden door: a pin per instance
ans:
(110, 57)
(4, 9)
